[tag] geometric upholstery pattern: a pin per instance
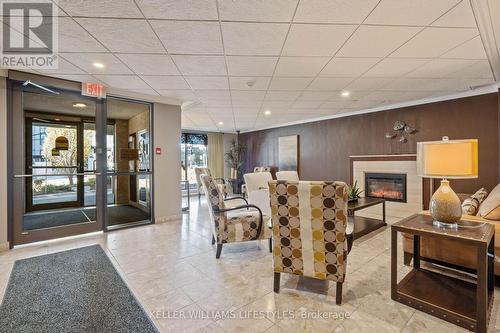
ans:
(309, 228)
(206, 171)
(232, 227)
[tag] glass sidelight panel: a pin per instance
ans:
(129, 162)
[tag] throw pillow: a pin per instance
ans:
(471, 205)
(490, 208)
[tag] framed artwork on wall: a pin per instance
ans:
(288, 153)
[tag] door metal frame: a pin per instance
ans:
(16, 163)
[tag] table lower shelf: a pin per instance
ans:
(365, 225)
(445, 297)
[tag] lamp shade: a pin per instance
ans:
(448, 159)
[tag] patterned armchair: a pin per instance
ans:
(206, 171)
(309, 230)
(240, 226)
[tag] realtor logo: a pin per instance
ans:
(29, 35)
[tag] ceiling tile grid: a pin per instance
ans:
(237, 58)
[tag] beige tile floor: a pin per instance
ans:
(172, 270)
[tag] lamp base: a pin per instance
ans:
(445, 206)
(444, 225)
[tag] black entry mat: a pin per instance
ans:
(54, 219)
(116, 215)
(72, 291)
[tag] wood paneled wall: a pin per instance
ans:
(325, 146)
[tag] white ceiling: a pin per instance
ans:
(229, 60)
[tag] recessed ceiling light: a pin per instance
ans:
(220, 123)
(267, 112)
(57, 119)
(345, 93)
(98, 65)
(79, 105)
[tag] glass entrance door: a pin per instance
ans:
(58, 155)
(54, 182)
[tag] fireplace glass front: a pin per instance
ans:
(388, 186)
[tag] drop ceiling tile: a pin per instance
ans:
(217, 103)
(273, 95)
(179, 10)
(368, 83)
(246, 103)
(253, 38)
(376, 41)
(64, 67)
(334, 11)
(472, 49)
(335, 104)
(395, 67)
(470, 83)
(480, 69)
(182, 95)
(433, 42)
(276, 104)
(251, 66)
(419, 84)
(189, 37)
(214, 94)
(247, 95)
(300, 66)
(289, 83)
(208, 82)
(73, 38)
(409, 12)
(123, 35)
(440, 68)
(360, 105)
(112, 65)
(128, 82)
(100, 8)
(348, 67)
(200, 65)
(460, 16)
(149, 91)
(306, 104)
(242, 83)
(329, 83)
(165, 82)
(149, 64)
(316, 39)
(77, 77)
(315, 96)
(257, 10)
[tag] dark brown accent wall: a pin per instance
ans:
(325, 146)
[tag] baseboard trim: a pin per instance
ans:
(163, 219)
(4, 246)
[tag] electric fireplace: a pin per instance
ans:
(388, 186)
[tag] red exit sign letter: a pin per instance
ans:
(93, 90)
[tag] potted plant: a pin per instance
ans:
(354, 192)
(234, 159)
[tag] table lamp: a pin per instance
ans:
(447, 159)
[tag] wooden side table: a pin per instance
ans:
(458, 301)
(364, 225)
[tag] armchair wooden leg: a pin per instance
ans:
(271, 245)
(213, 240)
(338, 294)
(407, 257)
(276, 282)
(219, 250)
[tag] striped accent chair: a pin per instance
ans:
(233, 224)
(309, 221)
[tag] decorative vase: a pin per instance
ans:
(445, 207)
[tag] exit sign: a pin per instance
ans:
(93, 90)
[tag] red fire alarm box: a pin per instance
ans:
(158, 151)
